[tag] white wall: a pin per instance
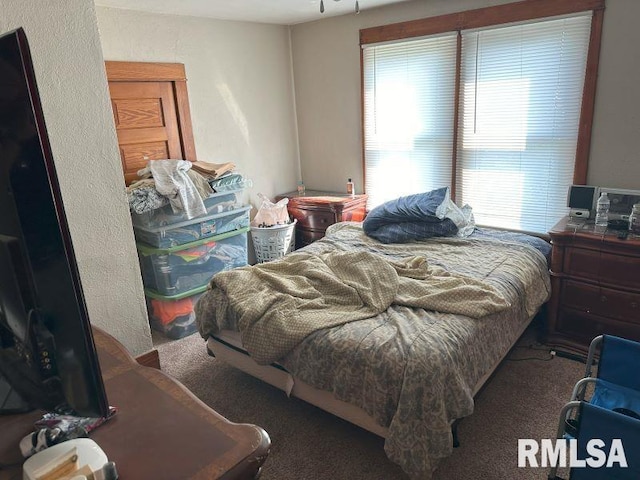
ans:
(239, 82)
(326, 65)
(69, 68)
(615, 146)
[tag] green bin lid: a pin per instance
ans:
(153, 294)
(145, 249)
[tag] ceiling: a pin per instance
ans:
(283, 12)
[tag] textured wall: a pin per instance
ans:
(239, 81)
(326, 64)
(69, 68)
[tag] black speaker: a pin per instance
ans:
(580, 200)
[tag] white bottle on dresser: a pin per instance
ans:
(602, 210)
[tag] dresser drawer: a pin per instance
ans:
(605, 302)
(313, 219)
(583, 326)
(602, 267)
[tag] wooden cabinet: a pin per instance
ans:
(595, 279)
(315, 211)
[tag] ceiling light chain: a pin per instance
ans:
(322, 6)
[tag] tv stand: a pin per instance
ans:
(161, 430)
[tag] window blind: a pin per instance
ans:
(409, 99)
(520, 100)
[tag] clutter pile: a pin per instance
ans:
(189, 223)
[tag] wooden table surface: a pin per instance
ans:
(161, 430)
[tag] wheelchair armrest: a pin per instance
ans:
(593, 346)
(580, 388)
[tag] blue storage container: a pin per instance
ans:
(176, 270)
(164, 216)
(176, 234)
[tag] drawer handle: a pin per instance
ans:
(603, 298)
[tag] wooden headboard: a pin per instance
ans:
(151, 112)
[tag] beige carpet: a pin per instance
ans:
(522, 400)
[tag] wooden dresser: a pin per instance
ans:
(315, 211)
(595, 280)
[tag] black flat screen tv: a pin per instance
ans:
(47, 353)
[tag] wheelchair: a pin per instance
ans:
(603, 408)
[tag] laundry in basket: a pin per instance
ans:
(270, 214)
(272, 231)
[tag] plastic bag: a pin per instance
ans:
(172, 181)
(462, 217)
(270, 214)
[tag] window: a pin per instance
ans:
(494, 112)
(409, 116)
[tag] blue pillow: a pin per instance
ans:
(409, 218)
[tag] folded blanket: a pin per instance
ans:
(278, 304)
(213, 170)
(228, 181)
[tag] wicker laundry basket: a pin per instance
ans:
(274, 242)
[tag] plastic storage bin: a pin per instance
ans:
(173, 316)
(181, 233)
(176, 270)
(161, 217)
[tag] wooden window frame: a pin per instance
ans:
(492, 16)
(161, 72)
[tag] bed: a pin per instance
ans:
(407, 371)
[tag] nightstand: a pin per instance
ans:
(595, 282)
(316, 210)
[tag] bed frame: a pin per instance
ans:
(227, 346)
